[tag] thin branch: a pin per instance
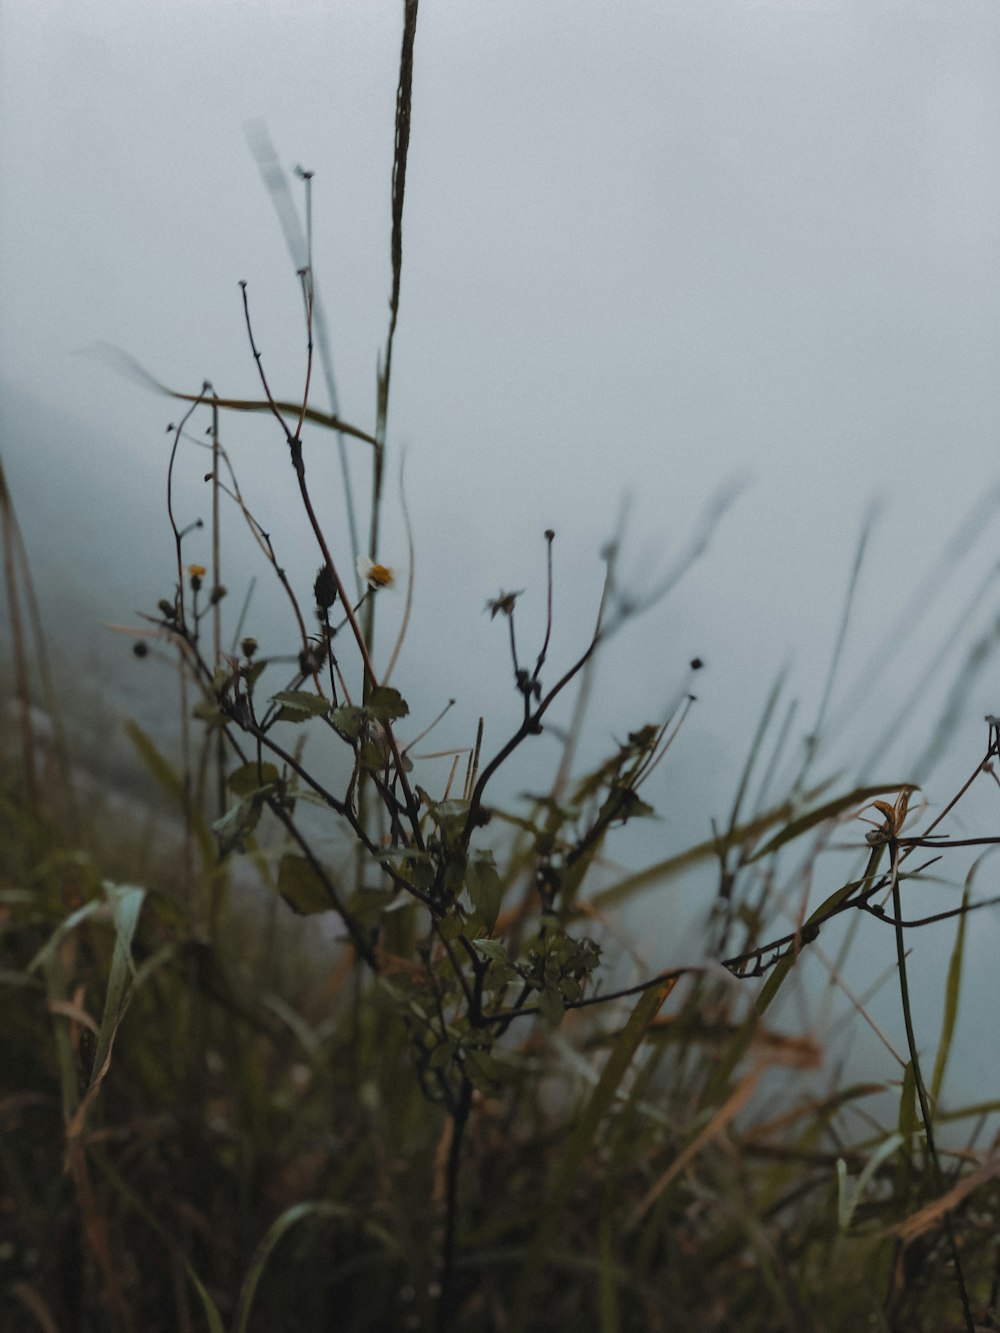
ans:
(298, 463)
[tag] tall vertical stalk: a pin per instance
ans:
(918, 1081)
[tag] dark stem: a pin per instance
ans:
(459, 1120)
(925, 1112)
(549, 539)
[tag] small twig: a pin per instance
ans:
(473, 769)
(883, 915)
(550, 537)
(429, 728)
(298, 463)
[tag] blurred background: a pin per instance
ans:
(651, 252)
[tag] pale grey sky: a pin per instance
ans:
(648, 247)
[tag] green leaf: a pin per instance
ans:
(237, 823)
(48, 952)
(485, 887)
(442, 1055)
(301, 887)
(386, 704)
(374, 754)
(482, 1070)
(448, 816)
(125, 902)
(570, 989)
(419, 870)
(454, 873)
(367, 906)
(493, 950)
(299, 705)
(453, 923)
(551, 1006)
(251, 674)
(499, 975)
(251, 778)
(209, 712)
(348, 720)
(849, 1194)
(622, 804)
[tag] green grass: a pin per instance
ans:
(260, 1152)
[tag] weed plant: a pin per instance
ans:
(220, 1113)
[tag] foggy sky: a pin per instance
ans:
(648, 248)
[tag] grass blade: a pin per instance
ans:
(297, 1213)
(953, 987)
(566, 1171)
(125, 902)
(824, 812)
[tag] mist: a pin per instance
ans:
(648, 253)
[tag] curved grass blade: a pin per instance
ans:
(212, 1316)
(824, 812)
(708, 850)
(131, 368)
(953, 987)
(686, 860)
(171, 781)
(297, 1213)
(125, 902)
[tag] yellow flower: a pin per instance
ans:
(196, 571)
(376, 576)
